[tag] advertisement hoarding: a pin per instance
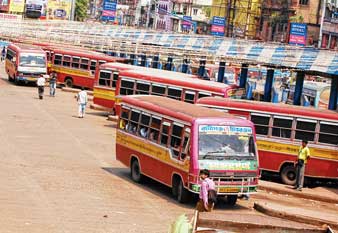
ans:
(298, 34)
(17, 6)
(186, 23)
(109, 10)
(4, 5)
(217, 26)
(58, 9)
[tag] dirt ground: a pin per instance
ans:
(58, 173)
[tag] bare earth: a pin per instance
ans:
(58, 173)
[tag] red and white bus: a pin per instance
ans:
(25, 63)
(280, 128)
(170, 141)
(75, 67)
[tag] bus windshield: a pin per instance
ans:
(226, 142)
(32, 60)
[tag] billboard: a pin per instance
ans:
(186, 23)
(217, 26)
(17, 6)
(36, 8)
(57, 9)
(4, 5)
(108, 10)
(298, 34)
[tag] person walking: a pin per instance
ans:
(52, 84)
(3, 53)
(303, 156)
(82, 99)
(207, 191)
(41, 86)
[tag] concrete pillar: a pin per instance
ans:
(169, 64)
(143, 60)
(244, 76)
(333, 102)
(268, 85)
(185, 66)
(201, 68)
(298, 88)
(221, 71)
(156, 59)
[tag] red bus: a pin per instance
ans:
(25, 63)
(171, 141)
(76, 67)
(280, 128)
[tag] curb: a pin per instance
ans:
(74, 90)
(299, 194)
(293, 217)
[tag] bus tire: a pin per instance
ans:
(10, 78)
(182, 192)
(69, 82)
(288, 174)
(16, 81)
(231, 200)
(135, 171)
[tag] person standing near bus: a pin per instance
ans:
(3, 53)
(82, 99)
(204, 204)
(303, 156)
(52, 84)
(41, 86)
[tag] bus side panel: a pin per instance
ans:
(104, 97)
(10, 68)
(273, 161)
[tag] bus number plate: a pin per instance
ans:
(228, 190)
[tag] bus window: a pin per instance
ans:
(84, 63)
(101, 62)
(158, 90)
(155, 128)
(165, 133)
(261, 123)
(142, 88)
(127, 87)
(133, 123)
(305, 129)
(10, 54)
(57, 59)
(282, 127)
(176, 139)
(144, 125)
(124, 119)
(328, 133)
(93, 65)
(66, 61)
(115, 77)
(189, 97)
(203, 94)
(186, 141)
(76, 62)
(105, 78)
(174, 93)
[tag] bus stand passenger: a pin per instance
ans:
(52, 84)
(303, 156)
(208, 194)
(3, 53)
(41, 86)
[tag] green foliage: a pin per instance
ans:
(207, 11)
(81, 7)
(297, 19)
(181, 225)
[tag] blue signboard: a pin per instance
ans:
(298, 33)
(217, 26)
(109, 10)
(186, 23)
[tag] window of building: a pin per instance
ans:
(328, 133)
(84, 63)
(127, 87)
(105, 78)
(303, 2)
(305, 129)
(142, 88)
(261, 123)
(165, 133)
(195, 11)
(189, 97)
(158, 89)
(58, 59)
(76, 62)
(282, 127)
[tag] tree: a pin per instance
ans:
(81, 7)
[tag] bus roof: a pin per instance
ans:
(176, 78)
(26, 48)
(86, 53)
(265, 107)
(173, 108)
(121, 66)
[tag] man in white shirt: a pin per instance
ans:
(41, 86)
(82, 99)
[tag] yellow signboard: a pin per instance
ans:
(58, 9)
(17, 6)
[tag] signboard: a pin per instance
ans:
(217, 26)
(108, 10)
(186, 23)
(36, 8)
(10, 17)
(58, 9)
(17, 6)
(4, 5)
(298, 33)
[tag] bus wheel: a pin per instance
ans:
(10, 78)
(182, 193)
(69, 82)
(288, 175)
(16, 81)
(231, 200)
(135, 171)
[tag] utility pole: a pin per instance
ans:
(72, 15)
(321, 24)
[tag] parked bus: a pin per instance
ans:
(170, 141)
(25, 63)
(76, 67)
(280, 128)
